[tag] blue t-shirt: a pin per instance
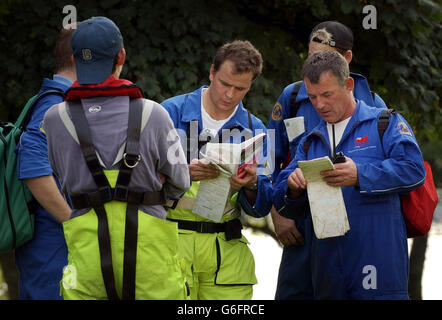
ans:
(32, 150)
(41, 260)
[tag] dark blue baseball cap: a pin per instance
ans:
(341, 35)
(95, 43)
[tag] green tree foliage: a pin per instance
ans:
(170, 45)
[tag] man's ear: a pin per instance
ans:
(121, 57)
(212, 73)
(348, 55)
(349, 83)
(73, 59)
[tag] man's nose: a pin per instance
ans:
(230, 92)
(319, 103)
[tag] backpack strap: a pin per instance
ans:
(26, 114)
(294, 106)
(383, 122)
(306, 145)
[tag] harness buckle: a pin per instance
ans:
(135, 159)
(174, 204)
(121, 193)
(99, 197)
(106, 194)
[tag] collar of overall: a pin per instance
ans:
(110, 87)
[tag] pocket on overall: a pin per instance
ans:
(159, 273)
(82, 278)
(235, 262)
(186, 247)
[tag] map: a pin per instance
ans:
(326, 202)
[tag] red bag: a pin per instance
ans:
(418, 206)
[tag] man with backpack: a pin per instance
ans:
(40, 261)
(370, 261)
(110, 149)
(294, 279)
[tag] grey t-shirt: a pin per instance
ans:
(160, 148)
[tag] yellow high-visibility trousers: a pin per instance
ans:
(159, 273)
(217, 269)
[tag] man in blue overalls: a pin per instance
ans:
(294, 280)
(370, 260)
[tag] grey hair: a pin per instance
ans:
(324, 61)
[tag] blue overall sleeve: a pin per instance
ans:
(284, 205)
(403, 169)
(32, 151)
(276, 124)
(263, 202)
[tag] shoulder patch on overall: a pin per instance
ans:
(42, 127)
(403, 128)
(277, 112)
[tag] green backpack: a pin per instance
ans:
(16, 201)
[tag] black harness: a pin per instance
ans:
(104, 193)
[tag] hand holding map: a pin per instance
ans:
(326, 202)
(228, 158)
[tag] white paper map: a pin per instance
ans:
(213, 194)
(212, 197)
(326, 202)
(294, 127)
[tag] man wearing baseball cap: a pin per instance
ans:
(109, 147)
(95, 44)
(333, 34)
(294, 106)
